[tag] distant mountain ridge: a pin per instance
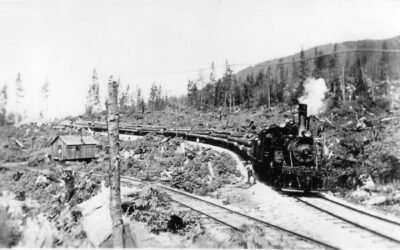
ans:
(369, 50)
(352, 70)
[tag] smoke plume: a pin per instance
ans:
(314, 94)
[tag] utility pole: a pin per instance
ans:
(114, 165)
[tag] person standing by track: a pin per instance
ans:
(250, 173)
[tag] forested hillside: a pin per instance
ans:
(366, 68)
(369, 51)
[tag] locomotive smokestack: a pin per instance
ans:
(302, 118)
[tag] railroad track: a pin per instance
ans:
(378, 232)
(352, 229)
(235, 220)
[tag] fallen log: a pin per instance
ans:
(19, 143)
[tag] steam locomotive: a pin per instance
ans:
(287, 156)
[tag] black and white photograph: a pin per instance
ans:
(200, 124)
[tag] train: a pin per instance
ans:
(287, 156)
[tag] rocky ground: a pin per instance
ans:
(363, 156)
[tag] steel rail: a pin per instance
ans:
(208, 215)
(251, 218)
(128, 179)
(360, 211)
(349, 221)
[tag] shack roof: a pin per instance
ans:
(76, 140)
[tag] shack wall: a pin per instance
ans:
(73, 152)
(54, 149)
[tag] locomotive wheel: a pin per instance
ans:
(307, 184)
(272, 176)
(276, 179)
(269, 176)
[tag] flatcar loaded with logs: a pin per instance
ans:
(285, 156)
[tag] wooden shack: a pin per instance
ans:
(73, 147)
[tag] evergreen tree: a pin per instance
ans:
(213, 75)
(218, 99)
(250, 79)
(237, 94)
(334, 69)
(200, 83)
(360, 82)
(45, 94)
(295, 71)
(384, 63)
(259, 86)
(159, 99)
(153, 96)
(192, 94)
(303, 74)
(131, 99)
(166, 99)
(213, 88)
(3, 105)
(284, 91)
(124, 98)
(318, 63)
(269, 86)
(290, 87)
(209, 96)
(96, 93)
(89, 101)
(227, 85)
(142, 105)
(20, 94)
(247, 94)
(140, 101)
(93, 97)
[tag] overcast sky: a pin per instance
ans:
(142, 42)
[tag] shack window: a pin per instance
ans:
(77, 148)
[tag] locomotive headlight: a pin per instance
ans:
(307, 133)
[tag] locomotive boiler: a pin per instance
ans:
(287, 156)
